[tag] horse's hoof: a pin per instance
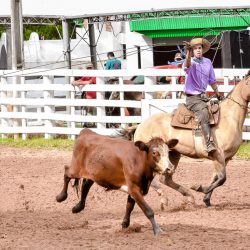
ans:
(164, 203)
(77, 208)
(197, 187)
(61, 197)
(189, 201)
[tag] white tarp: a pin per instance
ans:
(94, 7)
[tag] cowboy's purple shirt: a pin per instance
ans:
(198, 76)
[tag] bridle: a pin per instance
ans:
(241, 105)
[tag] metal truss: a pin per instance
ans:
(171, 14)
(54, 20)
(33, 20)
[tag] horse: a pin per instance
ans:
(227, 135)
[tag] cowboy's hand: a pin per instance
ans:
(187, 46)
(220, 97)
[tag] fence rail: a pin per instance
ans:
(37, 98)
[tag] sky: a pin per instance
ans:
(94, 7)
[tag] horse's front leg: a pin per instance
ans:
(156, 185)
(64, 193)
(129, 209)
(86, 185)
(136, 194)
(219, 179)
(167, 180)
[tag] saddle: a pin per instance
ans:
(184, 118)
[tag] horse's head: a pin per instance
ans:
(245, 91)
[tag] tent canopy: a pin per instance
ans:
(193, 24)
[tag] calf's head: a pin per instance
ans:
(158, 153)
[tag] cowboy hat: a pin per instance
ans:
(204, 42)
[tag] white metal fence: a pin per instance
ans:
(37, 103)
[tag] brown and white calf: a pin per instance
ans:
(115, 163)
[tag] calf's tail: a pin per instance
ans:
(127, 132)
(76, 186)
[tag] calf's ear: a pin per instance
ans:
(141, 145)
(172, 143)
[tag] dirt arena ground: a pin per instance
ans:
(30, 218)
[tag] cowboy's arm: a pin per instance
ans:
(215, 89)
(187, 62)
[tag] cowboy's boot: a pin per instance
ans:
(206, 131)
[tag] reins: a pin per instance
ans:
(241, 105)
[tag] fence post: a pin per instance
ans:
(72, 110)
(173, 82)
(122, 109)
(145, 109)
(47, 94)
(3, 94)
(100, 96)
(16, 94)
(148, 80)
(23, 109)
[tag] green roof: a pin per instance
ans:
(189, 26)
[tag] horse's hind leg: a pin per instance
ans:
(86, 185)
(129, 209)
(220, 168)
(64, 193)
(207, 196)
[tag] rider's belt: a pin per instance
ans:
(195, 95)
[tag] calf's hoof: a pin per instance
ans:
(125, 224)
(77, 208)
(61, 197)
(158, 231)
(207, 202)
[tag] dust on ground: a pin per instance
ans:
(30, 217)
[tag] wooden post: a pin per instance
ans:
(48, 108)
(100, 96)
(66, 43)
(67, 59)
(23, 108)
(92, 45)
(3, 94)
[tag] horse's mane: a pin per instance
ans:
(247, 75)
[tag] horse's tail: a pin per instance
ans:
(127, 132)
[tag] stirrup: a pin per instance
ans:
(211, 147)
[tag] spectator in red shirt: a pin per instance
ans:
(87, 80)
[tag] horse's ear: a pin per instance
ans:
(142, 146)
(172, 143)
